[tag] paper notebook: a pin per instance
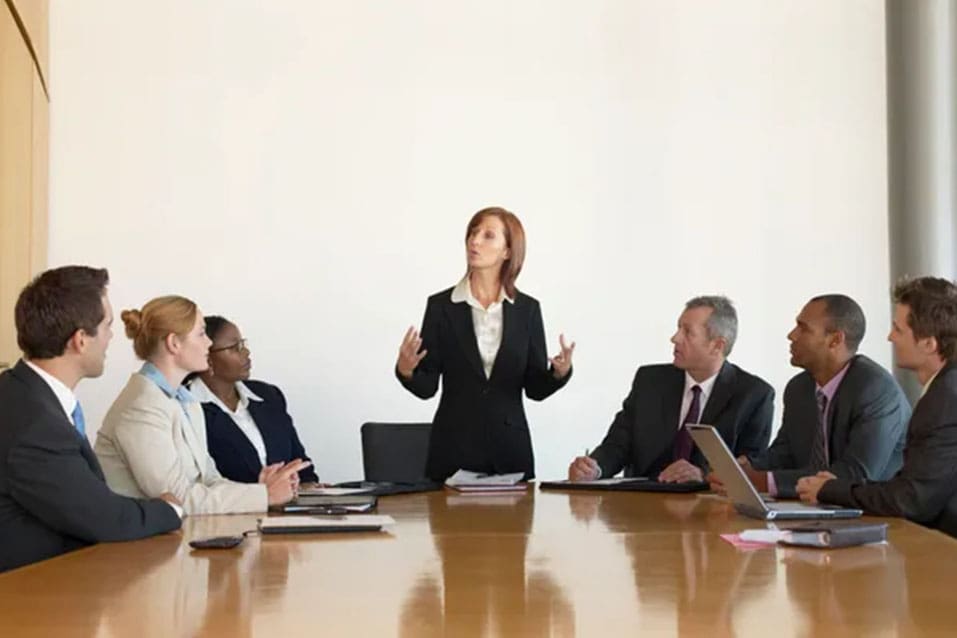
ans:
(324, 524)
(466, 481)
(333, 491)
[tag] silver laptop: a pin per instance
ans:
(741, 491)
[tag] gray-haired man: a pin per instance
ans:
(648, 438)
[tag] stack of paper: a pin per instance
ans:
(465, 481)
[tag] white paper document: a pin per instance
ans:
(465, 477)
(465, 481)
(770, 536)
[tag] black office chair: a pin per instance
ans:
(395, 452)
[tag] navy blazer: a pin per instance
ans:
(235, 456)
(480, 423)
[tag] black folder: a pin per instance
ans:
(388, 488)
(628, 485)
(328, 504)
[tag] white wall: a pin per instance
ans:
(307, 169)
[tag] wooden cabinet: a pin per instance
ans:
(34, 16)
(24, 140)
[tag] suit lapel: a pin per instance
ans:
(90, 457)
(460, 314)
(721, 393)
(43, 392)
(47, 397)
(508, 335)
(195, 441)
(257, 410)
(836, 415)
(671, 396)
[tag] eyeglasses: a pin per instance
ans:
(239, 346)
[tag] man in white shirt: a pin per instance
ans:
(53, 497)
(648, 438)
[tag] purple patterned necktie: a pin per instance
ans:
(683, 442)
(819, 442)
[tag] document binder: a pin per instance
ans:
(834, 534)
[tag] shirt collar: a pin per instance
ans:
(152, 373)
(203, 394)
(463, 292)
(63, 394)
(929, 381)
(829, 389)
(705, 385)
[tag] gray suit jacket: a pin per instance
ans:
(53, 498)
(925, 489)
(866, 429)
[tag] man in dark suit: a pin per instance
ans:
(647, 437)
(53, 497)
(924, 334)
(844, 413)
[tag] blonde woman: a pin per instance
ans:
(153, 438)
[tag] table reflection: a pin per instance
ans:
(202, 592)
(487, 585)
(829, 587)
(689, 582)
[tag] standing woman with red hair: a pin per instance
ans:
(486, 341)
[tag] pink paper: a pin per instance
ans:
(735, 539)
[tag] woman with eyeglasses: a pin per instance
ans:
(247, 425)
(486, 341)
(153, 438)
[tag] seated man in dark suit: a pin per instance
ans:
(647, 437)
(53, 498)
(844, 413)
(924, 334)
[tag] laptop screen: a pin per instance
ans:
(723, 463)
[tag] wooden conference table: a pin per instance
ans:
(535, 564)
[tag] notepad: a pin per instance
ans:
(324, 524)
(333, 491)
(466, 481)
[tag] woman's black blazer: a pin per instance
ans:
(236, 458)
(480, 423)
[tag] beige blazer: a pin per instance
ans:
(147, 447)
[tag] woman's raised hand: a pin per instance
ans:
(562, 362)
(409, 354)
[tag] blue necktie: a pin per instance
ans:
(78, 419)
